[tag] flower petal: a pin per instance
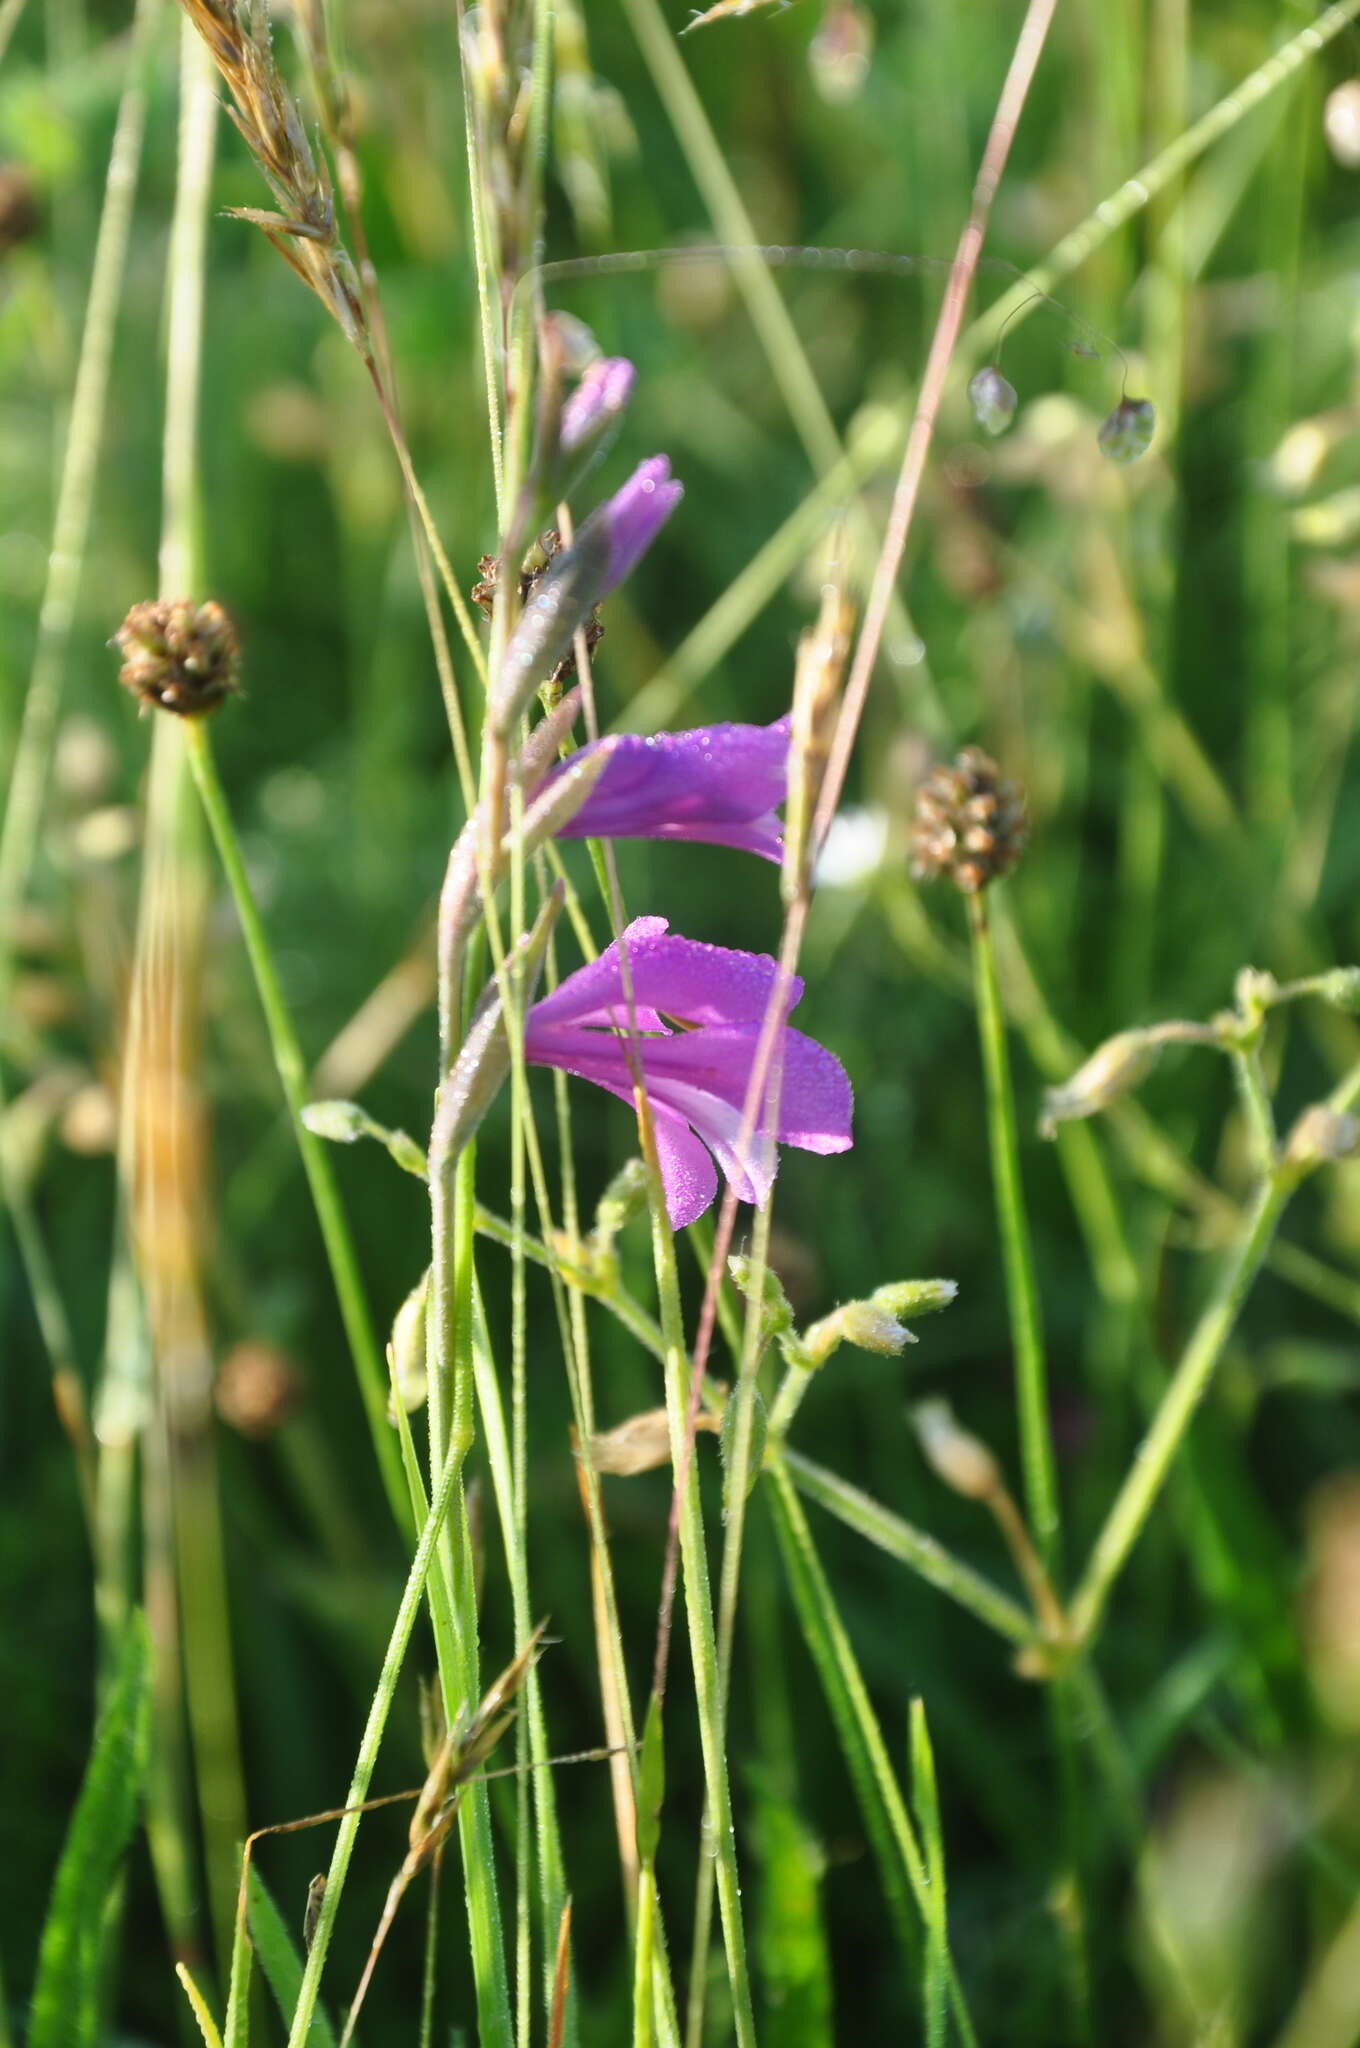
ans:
(680, 978)
(713, 783)
(688, 1175)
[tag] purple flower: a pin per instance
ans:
(718, 783)
(632, 519)
(596, 403)
(696, 1077)
(606, 548)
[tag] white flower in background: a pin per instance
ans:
(853, 849)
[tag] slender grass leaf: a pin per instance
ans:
(791, 1940)
(65, 2009)
(280, 1960)
(198, 2005)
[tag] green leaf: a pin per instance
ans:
(65, 2010)
(280, 1960)
(791, 1941)
(651, 1783)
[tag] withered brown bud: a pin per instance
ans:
(19, 216)
(257, 1388)
(971, 823)
(177, 655)
(541, 555)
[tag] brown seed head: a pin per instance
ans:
(18, 207)
(257, 1388)
(971, 823)
(177, 655)
(484, 597)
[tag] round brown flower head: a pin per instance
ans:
(177, 655)
(971, 823)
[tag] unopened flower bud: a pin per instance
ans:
(344, 1123)
(993, 400)
(870, 1327)
(1321, 1137)
(1126, 433)
(473, 1082)
(971, 824)
(1342, 987)
(1254, 990)
(839, 53)
(178, 656)
(962, 1460)
(591, 416)
(622, 1200)
(406, 1353)
(1112, 1070)
(776, 1314)
(1341, 123)
(589, 1263)
(915, 1297)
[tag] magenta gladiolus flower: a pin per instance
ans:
(696, 1077)
(719, 783)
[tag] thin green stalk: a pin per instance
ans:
(1189, 1383)
(407, 1611)
(29, 768)
(910, 1546)
(10, 10)
(506, 1481)
(699, 1615)
(643, 1952)
(902, 1866)
(1153, 178)
(769, 315)
(738, 1474)
(292, 1073)
(1036, 1446)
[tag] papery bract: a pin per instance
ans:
(696, 1078)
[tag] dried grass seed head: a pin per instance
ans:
(304, 229)
(971, 824)
(178, 655)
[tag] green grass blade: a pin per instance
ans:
(65, 2010)
(280, 1959)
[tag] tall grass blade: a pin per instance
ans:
(71, 1956)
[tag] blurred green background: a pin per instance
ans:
(1165, 655)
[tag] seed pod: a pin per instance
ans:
(1126, 433)
(993, 400)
